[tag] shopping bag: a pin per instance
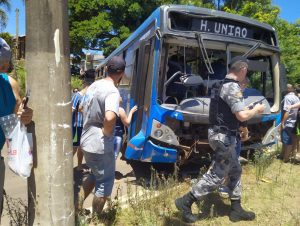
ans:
(19, 149)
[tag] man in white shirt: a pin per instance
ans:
(101, 109)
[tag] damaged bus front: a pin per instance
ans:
(174, 60)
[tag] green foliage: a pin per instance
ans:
(104, 24)
(76, 82)
(8, 38)
(20, 75)
(4, 7)
(289, 37)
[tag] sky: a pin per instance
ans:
(290, 11)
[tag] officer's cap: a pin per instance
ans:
(236, 59)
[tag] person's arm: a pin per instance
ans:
(297, 105)
(24, 113)
(248, 114)
(109, 123)
(233, 96)
(126, 120)
(284, 118)
(111, 113)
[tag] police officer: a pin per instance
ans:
(230, 111)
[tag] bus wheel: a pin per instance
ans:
(142, 170)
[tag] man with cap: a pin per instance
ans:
(229, 111)
(10, 102)
(288, 122)
(101, 109)
(77, 116)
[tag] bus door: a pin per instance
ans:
(141, 94)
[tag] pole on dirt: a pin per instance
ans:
(50, 187)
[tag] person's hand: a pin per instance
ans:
(244, 133)
(25, 114)
(289, 107)
(281, 127)
(134, 109)
(259, 108)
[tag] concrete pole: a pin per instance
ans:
(50, 187)
(17, 35)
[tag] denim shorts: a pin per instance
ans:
(103, 171)
(287, 136)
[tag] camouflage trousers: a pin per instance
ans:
(225, 165)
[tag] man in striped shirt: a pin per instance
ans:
(77, 115)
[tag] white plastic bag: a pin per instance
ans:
(18, 146)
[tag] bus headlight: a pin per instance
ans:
(164, 133)
(158, 133)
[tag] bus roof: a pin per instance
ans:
(160, 14)
(216, 13)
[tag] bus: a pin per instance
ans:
(173, 61)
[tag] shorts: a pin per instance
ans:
(103, 171)
(287, 136)
(78, 131)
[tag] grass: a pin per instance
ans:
(273, 196)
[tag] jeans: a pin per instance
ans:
(117, 145)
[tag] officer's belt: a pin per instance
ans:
(225, 130)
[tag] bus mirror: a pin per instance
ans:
(191, 80)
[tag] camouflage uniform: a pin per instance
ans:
(222, 139)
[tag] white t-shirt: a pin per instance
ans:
(288, 100)
(100, 97)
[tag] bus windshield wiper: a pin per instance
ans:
(204, 54)
(253, 48)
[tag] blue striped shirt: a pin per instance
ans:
(77, 117)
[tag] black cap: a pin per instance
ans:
(89, 76)
(116, 64)
(238, 59)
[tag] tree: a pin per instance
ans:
(288, 33)
(8, 38)
(289, 37)
(104, 24)
(4, 6)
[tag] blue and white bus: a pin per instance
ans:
(172, 62)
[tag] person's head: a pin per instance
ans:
(115, 68)
(75, 90)
(89, 77)
(239, 67)
(5, 56)
(297, 88)
(290, 88)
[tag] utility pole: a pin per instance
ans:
(50, 187)
(17, 35)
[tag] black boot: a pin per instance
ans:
(237, 213)
(184, 204)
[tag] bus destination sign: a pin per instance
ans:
(216, 27)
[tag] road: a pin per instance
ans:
(16, 187)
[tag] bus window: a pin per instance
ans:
(187, 60)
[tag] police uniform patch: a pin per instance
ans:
(239, 94)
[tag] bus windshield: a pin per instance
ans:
(186, 73)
